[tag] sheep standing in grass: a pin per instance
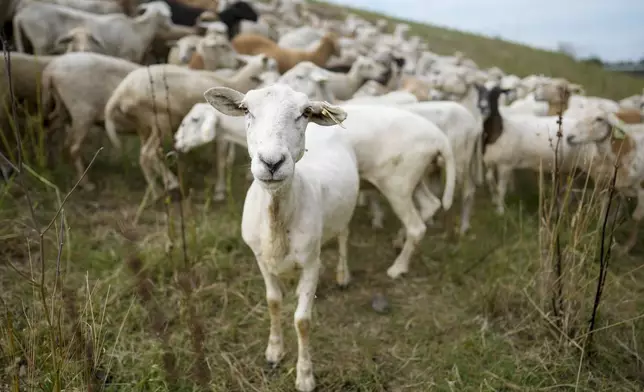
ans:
(153, 100)
(304, 194)
(620, 145)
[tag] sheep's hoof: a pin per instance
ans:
(88, 186)
(219, 196)
(395, 271)
(377, 224)
(175, 195)
(305, 382)
(343, 280)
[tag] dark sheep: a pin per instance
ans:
(493, 123)
(234, 14)
(183, 14)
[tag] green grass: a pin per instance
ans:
(470, 316)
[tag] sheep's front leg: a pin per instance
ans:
(375, 208)
(469, 191)
(502, 187)
(304, 381)
(222, 164)
(342, 274)
(275, 348)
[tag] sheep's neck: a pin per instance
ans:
(144, 26)
(274, 234)
(355, 79)
(243, 75)
(322, 53)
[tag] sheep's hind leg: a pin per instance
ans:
(169, 180)
(76, 134)
(275, 348)
(145, 161)
(375, 208)
(427, 203)
(305, 381)
(502, 187)
(414, 231)
(342, 274)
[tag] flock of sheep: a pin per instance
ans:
(330, 110)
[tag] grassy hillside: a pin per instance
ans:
(514, 58)
(116, 302)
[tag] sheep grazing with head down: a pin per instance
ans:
(618, 145)
(304, 194)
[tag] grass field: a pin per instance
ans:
(128, 312)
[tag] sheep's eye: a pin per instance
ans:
(307, 112)
(599, 119)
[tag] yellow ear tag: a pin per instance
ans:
(618, 133)
(327, 113)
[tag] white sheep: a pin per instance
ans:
(617, 144)
(121, 36)
(204, 124)
(304, 194)
(69, 77)
(154, 100)
(520, 141)
(395, 150)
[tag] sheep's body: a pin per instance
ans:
(176, 90)
(286, 58)
(528, 142)
(597, 129)
(578, 104)
(79, 39)
(26, 71)
(395, 149)
(129, 38)
(300, 38)
(69, 85)
(526, 105)
(304, 194)
(93, 6)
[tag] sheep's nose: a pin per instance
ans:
(273, 163)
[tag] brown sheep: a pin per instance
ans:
(630, 116)
(253, 44)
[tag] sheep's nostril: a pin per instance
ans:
(271, 164)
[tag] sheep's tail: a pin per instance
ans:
(111, 109)
(450, 174)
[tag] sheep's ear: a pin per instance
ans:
(226, 100)
(64, 39)
(97, 41)
(323, 113)
(400, 61)
(616, 124)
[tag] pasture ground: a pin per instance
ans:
(472, 314)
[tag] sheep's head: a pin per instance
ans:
(159, 10)
(79, 39)
(299, 78)
(276, 120)
(331, 39)
(186, 46)
(197, 128)
(596, 126)
(370, 69)
(217, 52)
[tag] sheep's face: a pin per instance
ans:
(79, 39)
(197, 128)
(594, 127)
(218, 49)
(276, 120)
(370, 69)
(302, 78)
